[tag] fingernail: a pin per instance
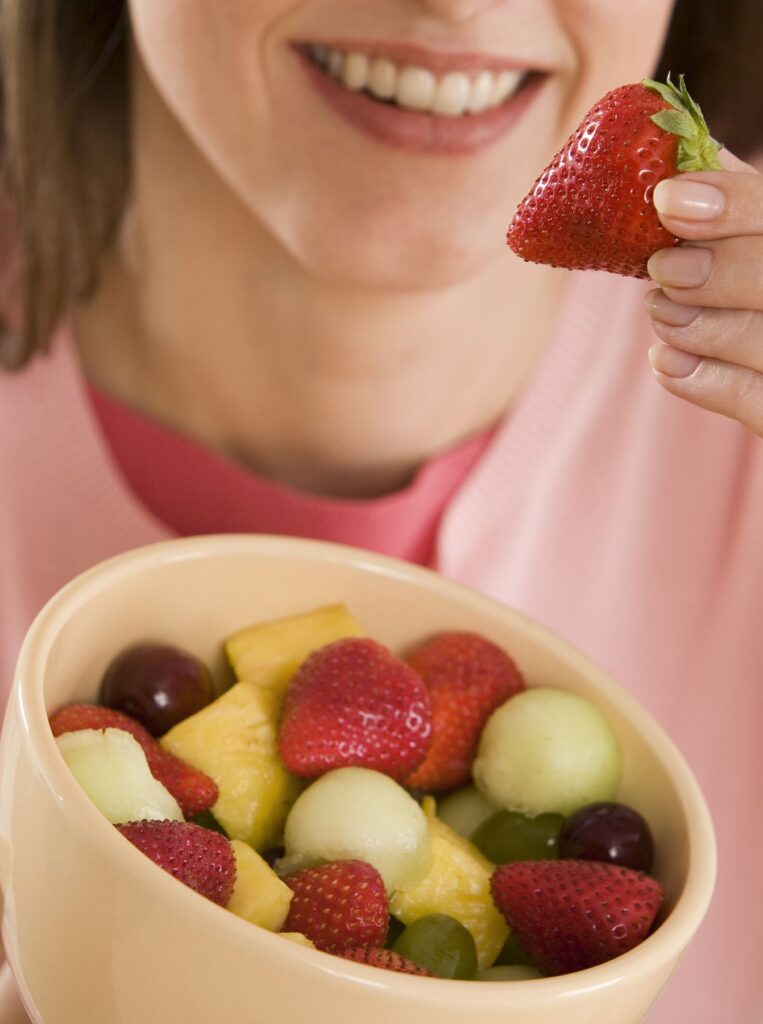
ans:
(660, 307)
(672, 361)
(688, 200)
(681, 267)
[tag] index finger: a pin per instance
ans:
(702, 205)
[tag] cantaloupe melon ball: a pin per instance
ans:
(359, 814)
(547, 750)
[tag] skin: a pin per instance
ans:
(711, 326)
(313, 277)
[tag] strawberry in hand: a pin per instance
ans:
(592, 209)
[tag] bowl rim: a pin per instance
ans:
(664, 945)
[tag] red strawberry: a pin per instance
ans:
(386, 958)
(193, 790)
(571, 914)
(591, 209)
(199, 858)
(353, 703)
(467, 678)
(339, 905)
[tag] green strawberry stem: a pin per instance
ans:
(697, 151)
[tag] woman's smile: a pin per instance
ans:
(418, 99)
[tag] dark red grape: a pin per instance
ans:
(608, 832)
(156, 684)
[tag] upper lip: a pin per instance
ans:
(437, 61)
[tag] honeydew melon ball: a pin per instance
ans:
(112, 769)
(359, 814)
(547, 750)
(464, 810)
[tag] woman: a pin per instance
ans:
(276, 264)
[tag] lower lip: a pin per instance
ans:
(417, 132)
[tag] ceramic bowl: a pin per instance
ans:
(94, 931)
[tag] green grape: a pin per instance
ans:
(396, 929)
(441, 944)
(512, 955)
(507, 836)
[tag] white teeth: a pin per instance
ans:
(506, 84)
(382, 78)
(481, 92)
(453, 94)
(415, 88)
(355, 71)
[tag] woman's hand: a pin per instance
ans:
(709, 311)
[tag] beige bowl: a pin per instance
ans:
(95, 932)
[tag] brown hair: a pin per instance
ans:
(66, 83)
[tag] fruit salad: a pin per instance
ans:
(422, 811)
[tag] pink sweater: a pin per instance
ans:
(195, 490)
(629, 522)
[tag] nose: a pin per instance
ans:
(455, 11)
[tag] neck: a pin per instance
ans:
(215, 329)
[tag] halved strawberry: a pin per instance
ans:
(385, 958)
(193, 790)
(353, 703)
(571, 914)
(591, 209)
(467, 677)
(201, 859)
(339, 905)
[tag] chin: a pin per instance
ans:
(404, 263)
(418, 242)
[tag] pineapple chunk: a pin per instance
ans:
(235, 741)
(269, 653)
(259, 895)
(458, 884)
